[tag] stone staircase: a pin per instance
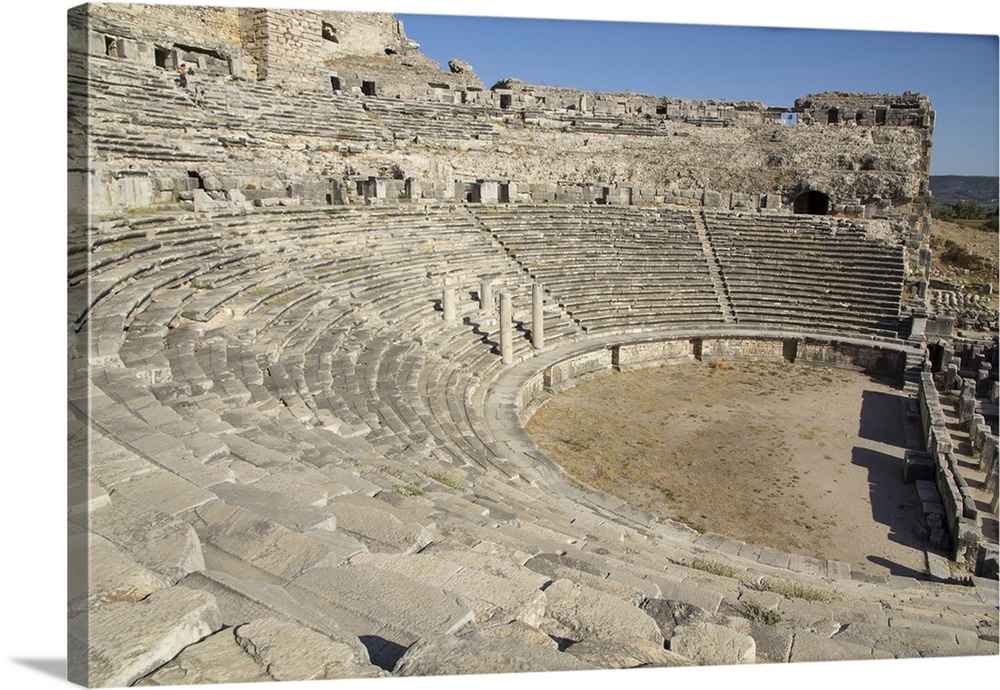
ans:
(715, 270)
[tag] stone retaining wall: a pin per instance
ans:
(960, 511)
(871, 358)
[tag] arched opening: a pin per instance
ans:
(812, 202)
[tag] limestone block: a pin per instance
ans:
(304, 485)
(626, 654)
(158, 541)
(111, 575)
(587, 614)
(164, 491)
(669, 613)
(133, 191)
(292, 652)
(216, 659)
(76, 39)
(236, 198)
(506, 597)
(275, 506)
(95, 43)
(773, 643)
(372, 522)
(212, 183)
(128, 640)
(692, 591)
(84, 497)
(264, 544)
(709, 644)
(712, 199)
(242, 599)
(555, 567)
(395, 606)
(809, 646)
(478, 654)
(203, 202)
(520, 631)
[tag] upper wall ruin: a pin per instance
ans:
(357, 114)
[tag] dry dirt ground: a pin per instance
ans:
(801, 458)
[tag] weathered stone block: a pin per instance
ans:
(709, 644)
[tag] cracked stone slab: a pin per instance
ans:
(128, 640)
(477, 654)
(626, 654)
(265, 544)
(155, 539)
(112, 574)
(275, 506)
(216, 659)
(708, 644)
(164, 491)
(370, 601)
(808, 646)
(292, 652)
(587, 613)
(374, 523)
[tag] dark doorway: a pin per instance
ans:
(505, 101)
(162, 58)
(335, 82)
(368, 88)
(812, 202)
(832, 116)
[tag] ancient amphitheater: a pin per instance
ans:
(316, 292)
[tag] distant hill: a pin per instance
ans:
(947, 189)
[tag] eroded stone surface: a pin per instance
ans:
(216, 659)
(292, 652)
(128, 640)
(475, 653)
(587, 614)
(708, 644)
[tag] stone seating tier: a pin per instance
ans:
(283, 392)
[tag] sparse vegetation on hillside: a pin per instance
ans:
(967, 213)
(963, 253)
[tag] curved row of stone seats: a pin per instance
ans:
(590, 123)
(129, 110)
(407, 119)
(808, 273)
(620, 268)
(228, 502)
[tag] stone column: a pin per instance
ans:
(951, 377)
(922, 289)
(967, 402)
(485, 296)
(448, 303)
(537, 317)
(506, 329)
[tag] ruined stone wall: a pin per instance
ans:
(210, 27)
(707, 112)
(206, 38)
(296, 48)
(867, 358)
(357, 53)
(545, 144)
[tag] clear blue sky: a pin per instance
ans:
(772, 65)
